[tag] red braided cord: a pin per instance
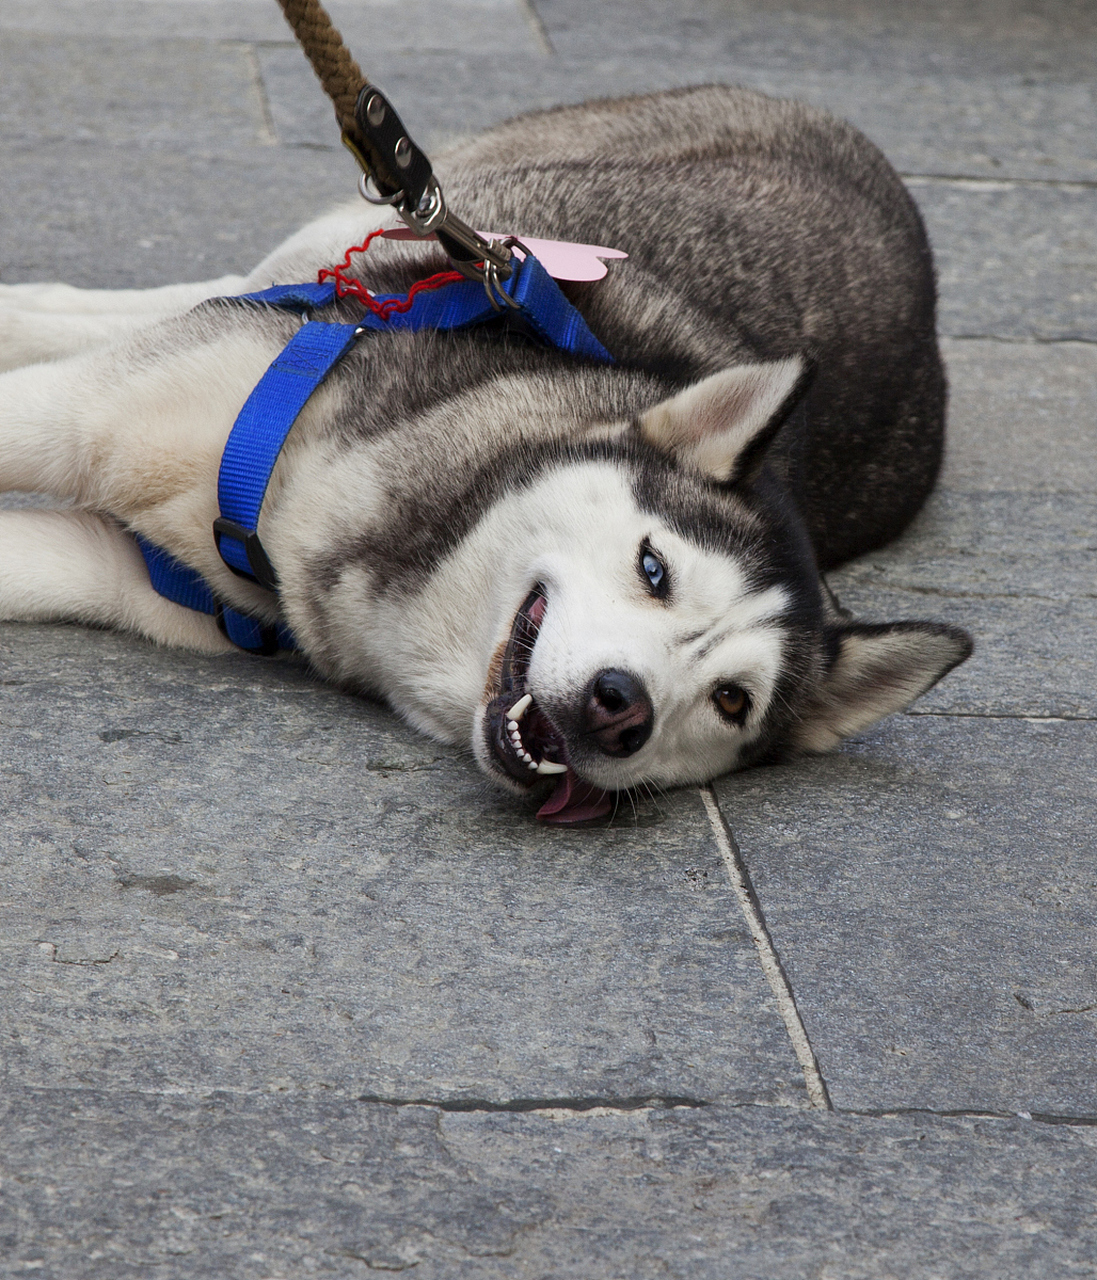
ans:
(347, 286)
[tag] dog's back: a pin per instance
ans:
(755, 228)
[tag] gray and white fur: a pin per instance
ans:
(459, 520)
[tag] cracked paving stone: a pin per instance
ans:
(125, 1185)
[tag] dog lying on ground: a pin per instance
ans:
(600, 576)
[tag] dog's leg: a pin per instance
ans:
(49, 321)
(76, 566)
(67, 300)
(42, 445)
(31, 337)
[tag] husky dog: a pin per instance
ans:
(606, 574)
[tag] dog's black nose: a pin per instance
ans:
(618, 714)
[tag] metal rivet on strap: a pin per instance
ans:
(402, 152)
(375, 109)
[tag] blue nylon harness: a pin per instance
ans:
(265, 421)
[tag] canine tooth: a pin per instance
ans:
(520, 707)
(550, 766)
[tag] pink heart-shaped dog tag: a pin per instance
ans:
(562, 259)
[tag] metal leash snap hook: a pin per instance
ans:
(397, 160)
(429, 213)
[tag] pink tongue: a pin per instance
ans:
(575, 801)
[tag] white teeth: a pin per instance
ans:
(520, 708)
(514, 733)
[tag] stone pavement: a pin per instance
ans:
(288, 991)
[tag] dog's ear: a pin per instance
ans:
(877, 670)
(723, 424)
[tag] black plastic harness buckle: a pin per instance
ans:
(262, 571)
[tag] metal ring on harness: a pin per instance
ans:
(492, 283)
(363, 191)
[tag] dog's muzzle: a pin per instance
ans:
(523, 741)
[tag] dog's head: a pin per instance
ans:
(661, 617)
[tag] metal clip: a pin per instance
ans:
(419, 201)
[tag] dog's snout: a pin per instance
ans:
(618, 714)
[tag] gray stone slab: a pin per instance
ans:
(930, 890)
(195, 93)
(1006, 106)
(443, 96)
(1033, 657)
(369, 26)
(125, 19)
(1022, 416)
(112, 1187)
(1013, 261)
(1019, 571)
(944, 125)
(116, 217)
(1032, 545)
(1047, 41)
(1008, 126)
(990, 92)
(230, 877)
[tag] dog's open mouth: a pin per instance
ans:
(524, 741)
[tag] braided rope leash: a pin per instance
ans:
(332, 61)
(373, 132)
(342, 79)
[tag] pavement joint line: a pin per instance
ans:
(963, 1113)
(1033, 338)
(268, 135)
(979, 182)
(952, 593)
(1000, 715)
(537, 26)
(643, 1102)
(767, 952)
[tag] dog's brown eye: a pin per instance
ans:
(732, 702)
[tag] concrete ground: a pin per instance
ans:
(288, 991)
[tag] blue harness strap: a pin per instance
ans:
(257, 438)
(273, 407)
(176, 581)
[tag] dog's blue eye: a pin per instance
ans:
(654, 570)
